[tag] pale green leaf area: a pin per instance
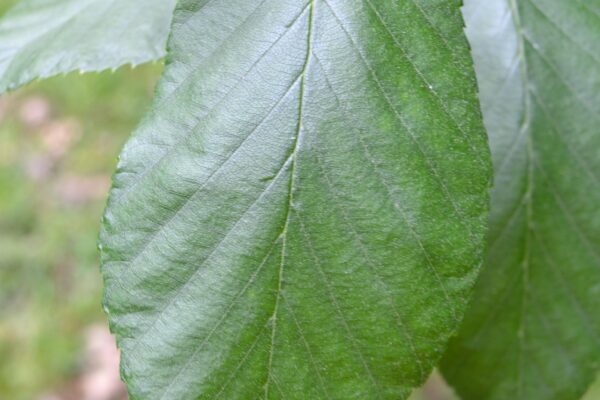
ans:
(302, 214)
(42, 38)
(594, 392)
(533, 329)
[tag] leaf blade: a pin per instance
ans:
(531, 331)
(280, 231)
(43, 38)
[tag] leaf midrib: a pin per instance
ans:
(290, 195)
(529, 191)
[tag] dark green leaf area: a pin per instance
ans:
(301, 215)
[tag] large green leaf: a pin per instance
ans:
(42, 38)
(302, 214)
(533, 330)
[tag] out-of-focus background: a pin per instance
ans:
(59, 140)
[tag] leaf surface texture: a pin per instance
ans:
(43, 38)
(301, 215)
(533, 330)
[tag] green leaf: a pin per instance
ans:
(302, 214)
(533, 330)
(42, 38)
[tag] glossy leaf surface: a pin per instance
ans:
(43, 38)
(533, 330)
(302, 213)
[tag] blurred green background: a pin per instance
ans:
(59, 140)
(58, 145)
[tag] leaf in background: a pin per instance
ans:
(302, 214)
(533, 329)
(42, 38)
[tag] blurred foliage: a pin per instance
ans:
(594, 392)
(6, 4)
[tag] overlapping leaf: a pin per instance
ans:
(533, 330)
(42, 38)
(302, 214)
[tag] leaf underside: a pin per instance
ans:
(43, 38)
(533, 330)
(302, 213)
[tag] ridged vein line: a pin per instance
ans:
(296, 145)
